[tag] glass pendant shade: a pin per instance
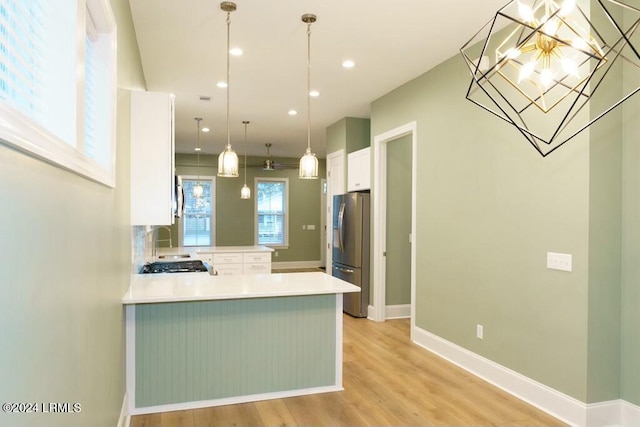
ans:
(228, 163)
(245, 193)
(198, 191)
(309, 165)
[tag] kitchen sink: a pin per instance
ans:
(173, 257)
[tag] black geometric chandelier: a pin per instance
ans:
(539, 63)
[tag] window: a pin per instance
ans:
(272, 211)
(197, 224)
(57, 93)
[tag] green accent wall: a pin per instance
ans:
(235, 217)
(65, 264)
(489, 209)
(205, 350)
(630, 289)
(398, 248)
(350, 134)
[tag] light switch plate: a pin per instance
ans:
(562, 262)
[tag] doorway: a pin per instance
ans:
(380, 163)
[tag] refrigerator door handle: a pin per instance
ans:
(344, 270)
(341, 226)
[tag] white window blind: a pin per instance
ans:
(57, 93)
(38, 63)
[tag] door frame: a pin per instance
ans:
(379, 195)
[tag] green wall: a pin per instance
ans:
(398, 248)
(350, 134)
(489, 209)
(630, 332)
(64, 267)
(235, 217)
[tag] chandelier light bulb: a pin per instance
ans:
(570, 67)
(567, 7)
(546, 77)
(526, 13)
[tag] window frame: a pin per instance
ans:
(180, 221)
(22, 133)
(284, 180)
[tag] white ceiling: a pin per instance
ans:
(183, 42)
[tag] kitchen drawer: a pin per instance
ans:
(227, 258)
(227, 269)
(257, 268)
(249, 257)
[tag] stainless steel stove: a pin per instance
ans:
(191, 266)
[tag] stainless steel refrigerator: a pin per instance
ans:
(351, 248)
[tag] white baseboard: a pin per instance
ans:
(629, 414)
(402, 311)
(604, 414)
(295, 264)
(557, 404)
(234, 400)
(617, 413)
(124, 419)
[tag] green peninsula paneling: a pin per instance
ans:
(207, 350)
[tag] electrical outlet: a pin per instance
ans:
(311, 227)
(556, 261)
(479, 332)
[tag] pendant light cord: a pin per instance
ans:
(198, 143)
(309, 86)
(228, 78)
(245, 151)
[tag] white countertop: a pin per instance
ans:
(177, 287)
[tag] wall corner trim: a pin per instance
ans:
(124, 420)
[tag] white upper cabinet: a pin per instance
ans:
(359, 170)
(152, 152)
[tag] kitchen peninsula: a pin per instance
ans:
(196, 340)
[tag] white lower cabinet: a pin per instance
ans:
(233, 263)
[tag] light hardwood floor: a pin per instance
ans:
(387, 381)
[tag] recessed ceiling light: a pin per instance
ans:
(348, 64)
(205, 129)
(314, 93)
(197, 149)
(236, 51)
(221, 84)
(292, 112)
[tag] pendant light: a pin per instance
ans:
(245, 193)
(197, 190)
(228, 159)
(309, 162)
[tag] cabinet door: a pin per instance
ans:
(152, 151)
(359, 170)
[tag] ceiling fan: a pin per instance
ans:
(269, 164)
